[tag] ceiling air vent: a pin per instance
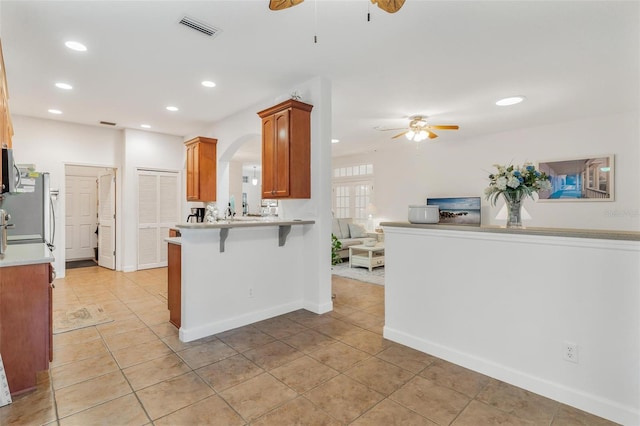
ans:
(206, 29)
(107, 123)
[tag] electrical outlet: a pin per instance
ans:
(250, 291)
(570, 352)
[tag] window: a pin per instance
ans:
(353, 191)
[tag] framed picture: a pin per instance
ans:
(579, 179)
(458, 210)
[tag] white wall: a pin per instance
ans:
(51, 145)
(505, 304)
(441, 168)
(244, 126)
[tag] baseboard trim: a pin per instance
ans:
(590, 403)
(190, 334)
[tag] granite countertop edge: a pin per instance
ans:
(26, 254)
(550, 232)
(243, 224)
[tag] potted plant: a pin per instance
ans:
(336, 245)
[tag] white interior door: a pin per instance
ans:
(107, 220)
(158, 210)
(81, 217)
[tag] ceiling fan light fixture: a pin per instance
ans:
(512, 100)
(410, 134)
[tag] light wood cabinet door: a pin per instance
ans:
(174, 290)
(201, 169)
(286, 150)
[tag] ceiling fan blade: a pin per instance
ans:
(431, 134)
(400, 134)
(397, 128)
(283, 4)
(391, 6)
(445, 127)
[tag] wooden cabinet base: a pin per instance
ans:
(25, 328)
(174, 295)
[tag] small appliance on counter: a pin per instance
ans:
(197, 213)
(424, 214)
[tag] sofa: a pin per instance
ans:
(349, 234)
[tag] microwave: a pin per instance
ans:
(10, 173)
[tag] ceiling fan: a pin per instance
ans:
(420, 130)
(391, 6)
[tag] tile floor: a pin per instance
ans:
(299, 368)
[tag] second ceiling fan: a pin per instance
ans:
(419, 129)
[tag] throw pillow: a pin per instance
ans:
(357, 231)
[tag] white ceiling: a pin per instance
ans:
(450, 60)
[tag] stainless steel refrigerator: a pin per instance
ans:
(31, 211)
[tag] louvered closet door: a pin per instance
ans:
(158, 204)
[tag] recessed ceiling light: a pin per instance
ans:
(172, 108)
(335, 140)
(55, 111)
(208, 83)
(74, 45)
(145, 126)
(64, 86)
(512, 100)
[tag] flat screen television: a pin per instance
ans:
(458, 210)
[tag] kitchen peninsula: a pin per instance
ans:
(237, 272)
(507, 303)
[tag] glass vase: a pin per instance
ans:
(514, 210)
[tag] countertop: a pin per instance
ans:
(174, 240)
(243, 224)
(551, 232)
(26, 254)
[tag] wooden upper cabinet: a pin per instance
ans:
(201, 169)
(286, 150)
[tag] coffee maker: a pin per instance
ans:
(197, 213)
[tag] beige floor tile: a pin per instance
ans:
(207, 353)
(343, 398)
(367, 341)
(171, 395)
(309, 340)
(273, 355)
(136, 354)
(173, 341)
(339, 356)
(478, 413)
(434, 402)
(164, 329)
(569, 416)
(87, 394)
(405, 357)
(337, 329)
(153, 317)
(32, 408)
(519, 402)
(120, 326)
(377, 309)
(279, 327)
(257, 396)
(365, 320)
(307, 318)
(379, 375)
(125, 410)
(76, 372)
(72, 353)
(388, 413)
(74, 337)
(229, 372)
(129, 338)
(299, 411)
(455, 377)
(210, 411)
(155, 371)
(245, 338)
(303, 374)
